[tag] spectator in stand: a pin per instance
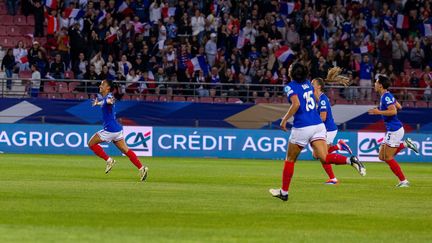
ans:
(20, 54)
(97, 61)
(77, 42)
(211, 49)
(8, 66)
(80, 67)
(35, 81)
(39, 17)
(124, 66)
(132, 81)
(366, 74)
(198, 24)
(57, 68)
(12, 6)
(63, 46)
(417, 56)
(200, 88)
(427, 95)
(91, 75)
(385, 46)
(399, 49)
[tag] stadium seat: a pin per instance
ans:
(126, 97)
(47, 88)
(342, 101)
(2, 30)
(81, 96)
(152, 98)
(364, 102)
(68, 96)
(234, 100)
(42, 95)
(136, 97)
(219, 100)
(30, 21)
(62, 87)
(3, 10)
(73, 85)
(25, 74)
(192, 99)
(421, 104)
(408, 104)
(53, 96)
(7, 42)
(206, 100)
(6, 20)
(25, 30)
(13, 31)
(179, 98)
(261, 100)
(165, 98)
(69, 75)
(20, 20)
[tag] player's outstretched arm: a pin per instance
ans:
(96, 102)
(398, 105)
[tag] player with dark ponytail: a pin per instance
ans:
(307, 128)
(112, 131)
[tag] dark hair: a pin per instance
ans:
(298, 72)
(320, 82)
(114, 88)
(384, 81)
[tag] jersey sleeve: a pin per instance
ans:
(323, 105)
(289, 92)
(388, 100)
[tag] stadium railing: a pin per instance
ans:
(201, 92)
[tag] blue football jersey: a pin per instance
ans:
(306, 115)
(109, 116)
(392, 122)
(325, 106)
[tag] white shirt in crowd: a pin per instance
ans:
(155, 12)
(198, 24)
(35, 82)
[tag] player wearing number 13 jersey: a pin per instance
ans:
(307, 128)
(392, 141)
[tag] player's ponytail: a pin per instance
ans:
(114, 88)
(298, 72)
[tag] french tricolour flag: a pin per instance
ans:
(314, 39)
(284, 53)
(198, 63)
(51, 4)
(101, 16)
(241, 40)
(402, 22)
(75, 13)
(426, 29)
(361, 49)
(287, 8)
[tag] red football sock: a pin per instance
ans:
(336, 159)
(394, 166)
(98, 150)
(401, 146)
(288, 172)
(329, 170)
(134, 159)
(333, 148)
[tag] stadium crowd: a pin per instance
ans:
(154, 45)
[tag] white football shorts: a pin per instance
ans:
(304, 135)
(110, 136)
(393, 139)
(331, 136)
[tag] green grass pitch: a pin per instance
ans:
(49, 198)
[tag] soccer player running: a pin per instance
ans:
(392, 141)
(325, 113)
(112, 131)
(307, 128)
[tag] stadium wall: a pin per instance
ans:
(187, 114)
(188, 142)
